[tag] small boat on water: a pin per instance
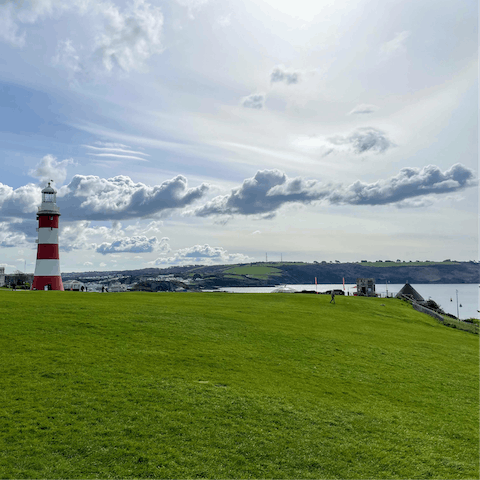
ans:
(284, 289)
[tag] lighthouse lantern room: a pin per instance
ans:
(47, 268)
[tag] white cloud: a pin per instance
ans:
(11, 238)
(255, 101)
(153, 227)
(94, 198)
(136, 244)
(128, 38)
(192, 5)
(21, 202)
(362, 140)
(281, 74)
(123, 38)
(363, 109)
(116, 147)
(116, 155)
(9, 27)
(50, 169)
(225, 20)
(201, 255)
(396, 45)
(269, 190)
(68, 58)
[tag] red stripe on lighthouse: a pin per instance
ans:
(48, 251)
(55, 282)
(48, 221)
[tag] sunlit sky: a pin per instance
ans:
(206, 131)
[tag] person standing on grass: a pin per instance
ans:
(333, 297)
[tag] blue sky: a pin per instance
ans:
(208, 131)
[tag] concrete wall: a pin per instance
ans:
(433, 314)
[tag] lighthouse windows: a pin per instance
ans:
(51, 218)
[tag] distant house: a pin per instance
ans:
(2, 276)
(117, 287)
(366, 287)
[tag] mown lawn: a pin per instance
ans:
(215, 385)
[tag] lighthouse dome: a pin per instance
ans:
(49, 199)
(49, 189)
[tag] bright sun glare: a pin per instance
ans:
(302, 9)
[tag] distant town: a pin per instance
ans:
(210, 277)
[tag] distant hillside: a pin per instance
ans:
(263, 273)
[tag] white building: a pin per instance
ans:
(73, 285)
(2, 276)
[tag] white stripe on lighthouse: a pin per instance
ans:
(48, 235)
(47, 268)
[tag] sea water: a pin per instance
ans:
(444, 294)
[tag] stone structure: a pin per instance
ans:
(366, 287)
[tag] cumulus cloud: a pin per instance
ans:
(263, 194)
(269, 190)
(136, 244)
(408, 184)
(83, 236)
(153, 226)
(50, 169)
(281, 74)
(11, 237)
(201, 254)
(255, 101)
(394, 46)
(21, 202)
(94, 198)
(121, 38)
(363, 109)
(362, 140)
(130, 37)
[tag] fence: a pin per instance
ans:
(447, 321)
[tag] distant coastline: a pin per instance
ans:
(197, 277)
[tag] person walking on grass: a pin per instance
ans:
(333, 297)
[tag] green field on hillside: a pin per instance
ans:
(262, 272)
(217, 385)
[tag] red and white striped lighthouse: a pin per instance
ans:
(47, 268)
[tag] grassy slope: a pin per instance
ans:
(262, 272)
(223, 385)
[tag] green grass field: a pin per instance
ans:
(261, 272)
(216, 385)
